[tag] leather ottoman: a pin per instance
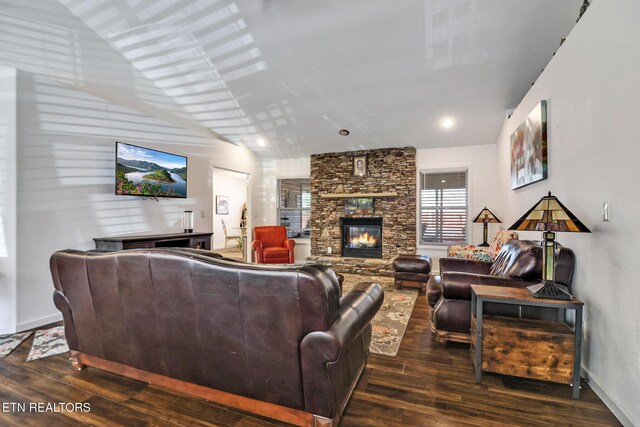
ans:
(412, 271)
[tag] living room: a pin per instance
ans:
(263, 89)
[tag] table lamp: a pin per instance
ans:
(549, 216)
(486, 216)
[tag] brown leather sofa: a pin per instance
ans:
(273, 340)
(518, 264)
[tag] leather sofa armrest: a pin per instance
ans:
(458, 285)
(71, 334)
(464, 266)
(434, 290)
(322, 351)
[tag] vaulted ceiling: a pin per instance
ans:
(292, 73)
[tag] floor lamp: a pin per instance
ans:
(549, 216)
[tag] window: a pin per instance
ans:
(294, 206)
(443, 207)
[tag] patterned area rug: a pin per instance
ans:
(391, 321)
(48, 342)
(10, 342)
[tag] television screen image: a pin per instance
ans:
(145, 172)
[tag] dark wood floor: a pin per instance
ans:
(426, 384)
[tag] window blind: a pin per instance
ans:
(443, 207)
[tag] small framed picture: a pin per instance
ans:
(222, 205)
(359, 165)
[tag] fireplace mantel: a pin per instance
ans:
(358, 195)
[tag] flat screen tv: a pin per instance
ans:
(150, 173)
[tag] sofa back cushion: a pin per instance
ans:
(231, 326)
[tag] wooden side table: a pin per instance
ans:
(528, 348)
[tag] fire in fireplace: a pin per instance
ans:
(361, 237)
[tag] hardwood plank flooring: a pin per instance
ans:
(427, 384)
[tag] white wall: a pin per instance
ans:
(8, 90)
(280, 169)
(482, 163)
(75, 97)
(592, 89)
(233, 185)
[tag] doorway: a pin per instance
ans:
(231, 213)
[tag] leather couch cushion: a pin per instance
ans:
(412, 277)
(413, 264)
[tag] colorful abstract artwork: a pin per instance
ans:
(529, 149)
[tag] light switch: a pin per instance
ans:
(605, 211)
(202, 213)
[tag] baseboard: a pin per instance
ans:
(7, 329)
(45, 320)
(608, 401)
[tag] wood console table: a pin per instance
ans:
(528, 348)
(182, 240)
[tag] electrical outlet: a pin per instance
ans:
(202, 214)
(605, 211)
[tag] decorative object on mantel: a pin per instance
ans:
(486, 216)
(222, 205)
(549, 216)
(358, 195)
(187, 221)
(529, 149)
(359, 206)
(360, 165)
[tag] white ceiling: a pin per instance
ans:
(294, 72)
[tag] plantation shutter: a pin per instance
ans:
(294, 206)
(443, 207)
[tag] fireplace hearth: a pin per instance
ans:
(361, 237)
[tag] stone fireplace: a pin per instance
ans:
(390, 181)
(361, 237)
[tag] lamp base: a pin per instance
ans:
(483, 245)
(550, 290)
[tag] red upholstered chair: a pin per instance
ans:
(271, 245)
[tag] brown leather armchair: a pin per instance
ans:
(518, 264)
(278, 341)
(271, 245)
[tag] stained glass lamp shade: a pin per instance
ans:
(486, 216)
(549, 216)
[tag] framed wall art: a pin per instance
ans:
(359, 165)
(529, 149)
(222, 205)
(358, 206)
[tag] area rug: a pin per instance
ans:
(390, 323)
(10, 342)
(48, 342)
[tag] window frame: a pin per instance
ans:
(454, 169)
(279, 208)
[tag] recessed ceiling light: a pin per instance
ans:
(261, 142)
(343, 132)
(447, 122)
(444, 180)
